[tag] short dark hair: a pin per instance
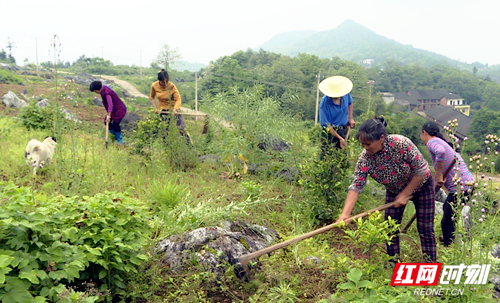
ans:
(96, 85)
(372, 129)
(163, 75)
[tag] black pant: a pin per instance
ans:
(329, 141)
(114, 126)
(165, 116)
(447, 223)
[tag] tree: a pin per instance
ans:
(167, 56)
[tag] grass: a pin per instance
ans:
(203, 195)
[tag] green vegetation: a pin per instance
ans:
(84, 229)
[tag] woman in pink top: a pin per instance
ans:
(442, 156)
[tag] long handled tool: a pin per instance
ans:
(107, 133)
(243, 260)
(405, 228)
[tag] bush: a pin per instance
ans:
(151, 135)
(328, 179)
(51, 244)
(8, 77)
(36, 117)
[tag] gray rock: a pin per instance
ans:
(495, 251)
(70, 116)
(43, 103)
(10, 99)
(495, 280)
(129, 122)
(438, 208)
(290, 174)
(313, 259)
(210, 158)
(274, 144)
(214, 247)
(97, 102)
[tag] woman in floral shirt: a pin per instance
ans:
(394, 161)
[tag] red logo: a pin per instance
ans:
(416, 274)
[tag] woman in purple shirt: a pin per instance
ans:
(114, 106)
(442, 156)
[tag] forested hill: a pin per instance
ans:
(352, 41)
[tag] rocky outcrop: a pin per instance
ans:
(214, 247)
(12, 100)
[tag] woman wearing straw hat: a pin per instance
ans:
(335, 112)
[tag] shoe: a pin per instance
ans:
(119, 138)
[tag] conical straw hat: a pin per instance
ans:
(336, 86)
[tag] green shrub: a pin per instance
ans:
(328, 180)
(51, 244)
(9, 77)
(151, 136)
(36, 117)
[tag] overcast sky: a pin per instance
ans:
(128, 32)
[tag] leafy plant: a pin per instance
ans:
(56, 242)
(328, 180)
(36, 117)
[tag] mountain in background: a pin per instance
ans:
(354, 42)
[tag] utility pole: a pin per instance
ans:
(196, 92)
(317, 100)
(140, 64)
(36, 49)
(370, 84)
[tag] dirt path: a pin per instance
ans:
(134, 92)
(131, 90)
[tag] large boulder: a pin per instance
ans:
(43, 103)
(97, 102)
(12, 100)
(214, 247)
(70, 116)
(129, 122)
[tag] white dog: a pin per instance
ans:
(38, 154)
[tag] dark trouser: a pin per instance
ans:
(165, 116)
(115, 129)
(114, 126)
(423, 199)
(447, 223)
(329, 142)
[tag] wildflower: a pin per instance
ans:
(496, 188)
(476, 185)
(483, 210)
(482, 176)
(493, 163)
(43, 162)
(466, 217)
(486, 142)
(480, 219)
(465, 138)
(453, 218)
(463, 204)
(470, 166)
(485, 158)
(41, 166)
(489, 178)
(473, 200)
(485, 185)
(484, 216)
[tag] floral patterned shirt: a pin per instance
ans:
(394, 166)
